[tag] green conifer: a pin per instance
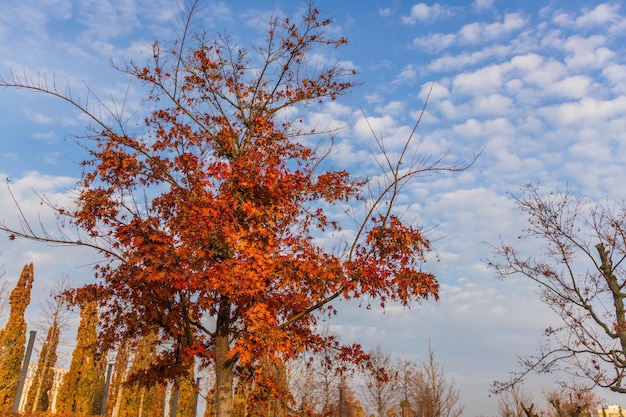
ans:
(13, 339)
(83, 386)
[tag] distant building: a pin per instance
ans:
(52, 395)
(613, 410)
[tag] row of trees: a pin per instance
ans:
(383, 387)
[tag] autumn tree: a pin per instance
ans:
(571, 401)
(13, 338)
(119, 371)
(132, 398)
(379, 388)
(43, 379)
(4, 293)
(315, 379)
(83, 386)
(512, 403)
(211, 214)
(580, 274)
(434, 394)
(347, 404)
(185, 391)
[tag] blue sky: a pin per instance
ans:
(539, 86)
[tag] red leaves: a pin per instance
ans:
(386, 266)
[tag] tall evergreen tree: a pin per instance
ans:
(55, 312)
(43, 379)
(13, 338)
(83, 385)
(134, 396)
(186, 393)
(117, 388)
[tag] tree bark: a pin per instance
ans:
(223, 364)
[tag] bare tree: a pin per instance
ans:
(379, 386)
(581, 277)
(512, 403)
(406, 373)
(434, 394)
(573, 401)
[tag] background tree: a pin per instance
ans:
(4, 294)
(347, 404)
(434, 393)
(572, 401)
(379, 388)
(55, 313)
(13, 338)
(210, 214)
(511, 403)
(406, 373)
(140, 399)
(186, 387)
(117, 388)
(83, 386)
(580, 274)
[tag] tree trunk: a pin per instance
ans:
(223, 365)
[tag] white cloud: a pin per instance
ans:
(587, 111)
(572, 87)
(483, 81)
(482, 4)
(434, 42)
(408, 75)
(449, 63)
(479, 32)
(472, 33)
(587, 52)
(602, 15)
(422, 12)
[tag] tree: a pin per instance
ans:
(185, 387)
(581, 277)
(139, 399)
(83, 386)
(13, 338)
(117, 389)
(434, 394)
(573, 401)
(347, 405)
(512, 403)
(43, 379)
(379, 382)
(315, 379)
(210, 216)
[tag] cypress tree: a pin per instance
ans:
(140, 400)
(43, 379)
(186, 393)
(83, 386)
(117, 388)
(13, 339)
(44, 375)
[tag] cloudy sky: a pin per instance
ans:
(538, 86)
